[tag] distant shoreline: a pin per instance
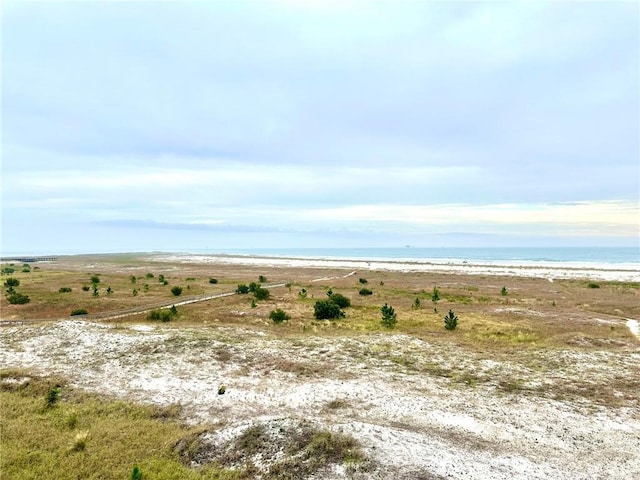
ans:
(549, 270)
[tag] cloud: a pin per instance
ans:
(378, 116)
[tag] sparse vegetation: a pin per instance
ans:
(340, 300)
(389, 316)
(451, 321)
(326, 310)
(162, 315)
(278, 315)
(16, 298)
(261, 293)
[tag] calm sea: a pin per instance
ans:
(530, 254)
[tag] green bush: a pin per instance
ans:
(85, 288)
(64, 290)
(253, 286)
(363, 281)
(261, 293)
(326, 309)
(8, 270)
(365, 292)
(593, 285)
(242, 288)
(389, 317)
(451, 321)
(161, 315)
(79, 311)
(11, 282)
(16, 298)
(149, 275)
(161, 278)
(503, 292)
(416, 304)
(95, 279)
(340, 300)
(176, 291)
(303, 293)
(262, 279)
(213, 281)
(278, 315)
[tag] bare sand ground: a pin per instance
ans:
(423, 407)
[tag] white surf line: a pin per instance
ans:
(633, 326)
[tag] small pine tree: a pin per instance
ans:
(416, 304)
(136, 473)
(503, 292)
(173, 310)
(52, 397)
(389, 318)
(133, 279)
(435, 295)
(451, 321)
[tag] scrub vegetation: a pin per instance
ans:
(560, 341)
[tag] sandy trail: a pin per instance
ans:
(412, 423)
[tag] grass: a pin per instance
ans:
(85, 436)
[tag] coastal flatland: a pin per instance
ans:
(540, 379)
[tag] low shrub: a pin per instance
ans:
(16, 298)
(176, 291)
(79, 311)
(340, 300)
(278, 315)
(213, 281)
(326, 309)
(242, 288)
(64, 290)
(161, 315)
(261, 293)
(365, 292)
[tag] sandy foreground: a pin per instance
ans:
(412, 425)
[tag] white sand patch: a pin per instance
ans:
(408, 420)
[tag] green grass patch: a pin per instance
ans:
(85, 436)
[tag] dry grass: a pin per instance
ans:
(85, 436)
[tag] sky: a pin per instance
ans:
(144, 126)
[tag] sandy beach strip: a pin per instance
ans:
(626, 272)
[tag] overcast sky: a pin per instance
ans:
(176, 125)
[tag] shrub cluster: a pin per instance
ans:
(163, 315)
(326, 309)
(365, 292)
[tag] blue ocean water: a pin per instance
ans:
(611, 255)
